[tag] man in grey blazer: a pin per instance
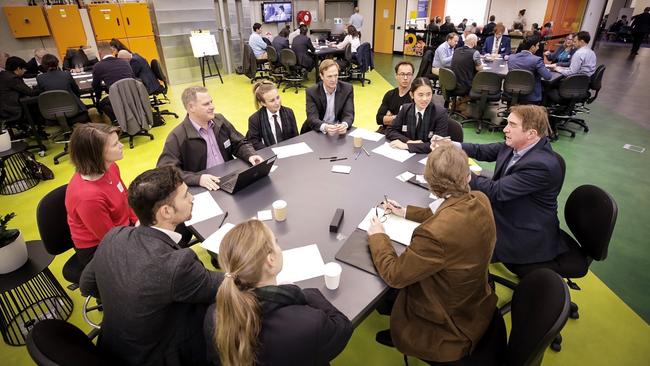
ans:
(330, 103)
(154, 292)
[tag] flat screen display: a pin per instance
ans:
(277, 12)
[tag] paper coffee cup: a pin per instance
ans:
(280, 210)
(358, 141)
(332, 275)
(476, 169)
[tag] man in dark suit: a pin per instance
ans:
(640, 29)
(498, 43)
(304, 49)
(526, 60)
(330, 103)
(448, 26)
(488, 29)
(108, 70)
(141, 70)
(154, 293)
(281, 41)
(12, 88)
(34, 65)
(524, 188)
(203, 140)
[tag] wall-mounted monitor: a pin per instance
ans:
(279, 12)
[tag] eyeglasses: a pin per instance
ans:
(384, 217)
(405, 75)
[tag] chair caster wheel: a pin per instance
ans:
(56, 162)
(586, 130)
(557, 347)
(41, 153)
(574, 315)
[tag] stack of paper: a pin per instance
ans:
(366, 135)
(395, 154)
(300, 264)
(397, 228)
(291, 150)
(205, 207)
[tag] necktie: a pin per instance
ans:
(278, 129)
(495, 47)
(419, 121)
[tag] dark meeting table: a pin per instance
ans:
(500, 66)
(313, 193)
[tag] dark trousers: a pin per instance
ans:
(637, 39)
(85, 255)
(105, 107)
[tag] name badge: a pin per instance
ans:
(120, 187)
(430, 134)
(226, 144)
(404, 128)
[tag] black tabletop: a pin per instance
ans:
(16, 147)
(38, 260)
(313, 193)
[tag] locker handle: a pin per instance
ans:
(127, 21)
(118, 21)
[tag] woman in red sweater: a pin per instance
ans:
(96, 199)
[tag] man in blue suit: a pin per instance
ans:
(498, 43)
(524, 188)
(526, 60)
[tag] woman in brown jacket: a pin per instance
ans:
(445, 303)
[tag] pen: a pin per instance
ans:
(327, 157)
(223, 218)
(338, 159)
(394, 205)
(365, 151)
(358, 153)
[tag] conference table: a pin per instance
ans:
(323, 52)
(313, 193)
(500, 66)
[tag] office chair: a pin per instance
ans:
(52, 221)
(293, 73)
(159, 97)
(595, 84)
(130, 102)
(276, 69)
(424, 70)
(252, 66)
(447, 80)
(455, 130)
(61, 106)
(540, 308)
(573, 90)
(57, 342)
(486, 88)
(360, 65)
(517, 84)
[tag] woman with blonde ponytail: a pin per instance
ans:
(254, 320)
(272, 123)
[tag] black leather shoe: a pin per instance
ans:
(383, 337)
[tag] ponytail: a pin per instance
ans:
(259, 89)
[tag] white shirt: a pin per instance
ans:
(176, 237)
(435, 205)
(271, 122)
(355, 42)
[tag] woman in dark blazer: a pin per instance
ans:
(57, 79)
(263, 125)
(259, 322)
(407, 132)
(445, 303)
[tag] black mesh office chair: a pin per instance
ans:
(361, 64)
(447, 80)
(60, 106)
(275, 67)
(56, 342)
(253, 66)
(293, 73)
(517, 84)
(540, 308)
(455, 130)
(424, 70)
(486, 88)
(52, 221)
(159, 97)
(573, 90)
(595, 84)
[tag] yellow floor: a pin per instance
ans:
(607, 333)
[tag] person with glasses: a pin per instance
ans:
(562, 55)
(444, 53)
(395, 98)
(444, 303)
(417, 122)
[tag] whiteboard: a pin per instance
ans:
(204, 44)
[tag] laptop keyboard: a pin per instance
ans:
(227, 182)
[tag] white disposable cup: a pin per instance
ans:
(332, 275)
(280, 210)
(358, 141)
(476, 169)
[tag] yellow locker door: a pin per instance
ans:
(107, 21)
(145, 47)
(67, 28)
(137, 22)
(26, 21)
(384, 26)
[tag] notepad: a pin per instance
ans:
(301, 264)
(205, 207)
(366, 135)
(213, 242)
(291, 150)
(264, 215)
(344, 169)
(405, 176)
(395, 154)
(397, 228)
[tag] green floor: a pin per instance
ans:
(614, 301)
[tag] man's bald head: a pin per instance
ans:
(124, 55)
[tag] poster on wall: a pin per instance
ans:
(423, 8)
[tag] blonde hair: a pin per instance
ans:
(242, 254)
(446, 171)
(259, 89)
(326, 64)
(533, 117)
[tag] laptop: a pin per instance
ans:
(235, 182)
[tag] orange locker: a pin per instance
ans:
(67, 27)
(26, 21)
(137, 22)
(107, 21)
(145, 47)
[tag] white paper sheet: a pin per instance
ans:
(212, 242)
(300, 264)
(291, 150)
(264, 215)
(420, 178)
(366, 135)
(205, 207)
(273, 168)
(397, 228)
(345, 169)
(405, 176)
(395, 154)
(423, 161)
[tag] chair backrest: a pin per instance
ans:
(455, 130)
(425, 64)
(486, 81)
(574, 86)
(447, 79)
(520, 82)
(590, 213)
(288, 58)
(560, 159)
(596, 81)
(272, 54)
(540, 308)
(52, 222)
(55, 104)
(158, 71)
(348, 52)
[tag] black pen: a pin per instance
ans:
(338, 159)
(223, 219)
(327, 158)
